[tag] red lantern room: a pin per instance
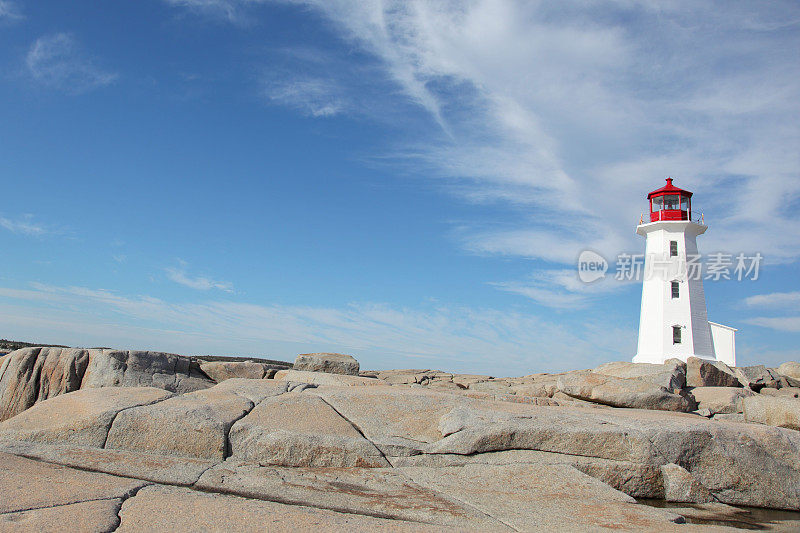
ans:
(670, 203)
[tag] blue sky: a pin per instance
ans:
(410, 182)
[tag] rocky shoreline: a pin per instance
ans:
(109, 439)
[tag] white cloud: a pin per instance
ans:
(316, 97)
(574, 111)
(778, 301)
(57, 61)
(775, 299)
(23, 226)
(203, 283)
(9, 11)
(562, 288)
(433, 336)
(783, 323)
(231, 10)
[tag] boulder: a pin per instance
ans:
(773, 410)
(32, 375)
(545, 389)
(82, 417)
(789, 392)
(114, 368)
(299, 429)
(333, 363)
(704, 373)
(193, 425)
(681, 486)
(219, 371)
(790, 369)
(757, 377)
(671, 375)
(720, 400)
(621, 392)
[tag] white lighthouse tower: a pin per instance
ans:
(673, 322)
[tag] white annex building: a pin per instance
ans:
(673, 322)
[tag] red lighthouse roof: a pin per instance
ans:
(669, 188)
(670, 203)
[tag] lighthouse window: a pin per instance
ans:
(673, 248)
(676, 289)
(684, 203)
(676, 334)
(658, 203)
(671, 201)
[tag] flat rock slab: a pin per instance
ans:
(322, 378)
(729, 459)
(400, 420)
(169, 509)
(379, 492)
(543, 498)
(190, 425)
(639, 480)
(27, 484)
(333, 363)
(149, 467)
(100, 515)
(82, 417)
(299, 429)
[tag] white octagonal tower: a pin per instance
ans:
(673, 322)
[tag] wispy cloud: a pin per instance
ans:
(775, 299)
(316, 97)
(433, 335)
(573, 111)
(23, 226)
(784, 302)
(203, 283)
(58, 61)
(782, 323)
(9, 11)
(234, 11)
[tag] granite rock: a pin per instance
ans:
(333, 363)
(780, 411)
(703, 373)
(82, 417)
(622, 392)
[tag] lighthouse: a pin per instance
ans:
(673, 322)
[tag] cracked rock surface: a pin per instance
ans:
(340, 452)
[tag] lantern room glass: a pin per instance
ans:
(671, 201)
